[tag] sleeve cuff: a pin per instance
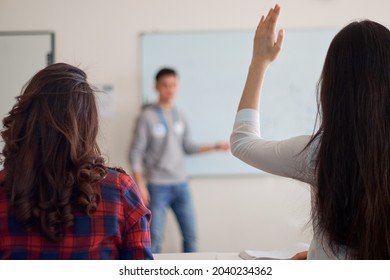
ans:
(248, 115)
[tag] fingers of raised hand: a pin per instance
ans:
(272, 18)
(268, 24)
(262, 20)
(279, 40)
(267, 44)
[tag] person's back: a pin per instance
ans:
(352, 203)
(96, 236)
(57, 198)
(347, 161)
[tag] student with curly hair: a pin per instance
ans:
(58, 200)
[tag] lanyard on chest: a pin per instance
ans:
(161, 116)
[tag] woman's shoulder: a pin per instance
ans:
(117, 177)
(119, 182)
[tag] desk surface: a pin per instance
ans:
(285, 253)
(197, 256)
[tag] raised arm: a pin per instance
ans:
(283, 158)
(265, 50)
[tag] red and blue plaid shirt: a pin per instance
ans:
(119, 229)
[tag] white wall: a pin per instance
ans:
(102, 37)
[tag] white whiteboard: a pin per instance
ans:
(22, 54)
(212, 68)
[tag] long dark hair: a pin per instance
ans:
(51, 158)
(352, 201)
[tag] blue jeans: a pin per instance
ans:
(177, 197)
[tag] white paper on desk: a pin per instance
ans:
(274, 254)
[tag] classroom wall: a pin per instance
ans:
(102, 37)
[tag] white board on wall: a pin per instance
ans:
(212, 68)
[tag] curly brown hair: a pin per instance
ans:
(51, 158)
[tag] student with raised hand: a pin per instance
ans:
(347, 160)
(58, 200)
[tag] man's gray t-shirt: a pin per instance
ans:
(160, 143)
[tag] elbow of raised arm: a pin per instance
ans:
(242, 143)
(234, 145)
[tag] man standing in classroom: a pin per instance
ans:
(158, 150)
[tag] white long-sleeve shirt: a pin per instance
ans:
(287, 158)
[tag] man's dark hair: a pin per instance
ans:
(165, 72)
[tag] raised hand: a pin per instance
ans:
(266, 48)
